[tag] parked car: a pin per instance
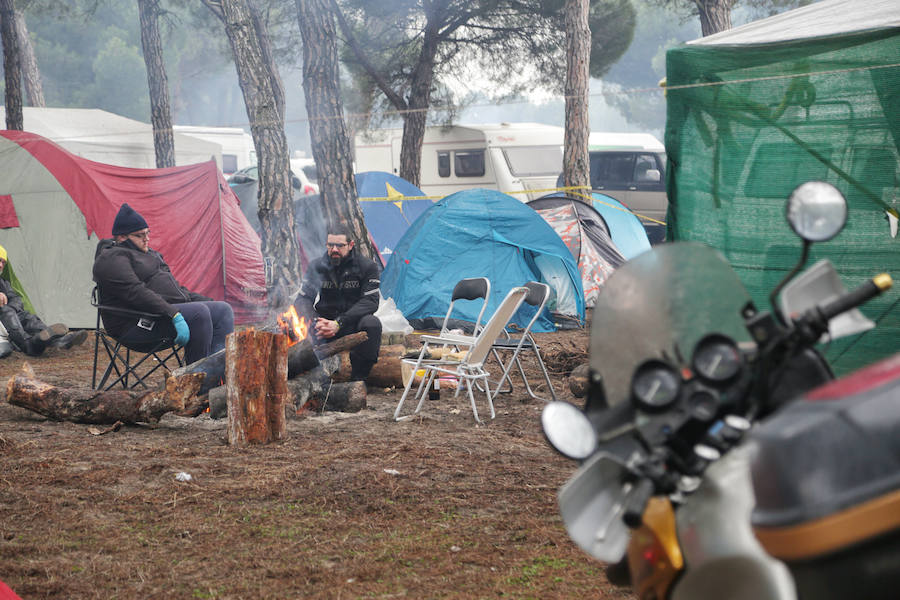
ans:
(631, 167)
(299, 178)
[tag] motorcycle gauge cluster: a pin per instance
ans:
(717, 359)
(655, 385)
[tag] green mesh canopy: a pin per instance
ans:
(748, 123)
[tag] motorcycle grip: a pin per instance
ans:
(636, 502)
(852, 299)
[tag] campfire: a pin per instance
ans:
(293, 326)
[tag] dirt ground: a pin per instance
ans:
(349, 506)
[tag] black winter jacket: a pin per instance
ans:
(13, 299)
(346, 292)
(130, 278)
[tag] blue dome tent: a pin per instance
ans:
(387, 212)
(482, 233)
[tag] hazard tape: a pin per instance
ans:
(571, 188)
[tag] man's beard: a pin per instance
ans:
(335, 259)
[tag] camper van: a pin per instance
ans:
(521, 159)
(237, 145)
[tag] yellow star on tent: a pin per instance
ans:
(392, 194)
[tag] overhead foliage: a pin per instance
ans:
(508, 46)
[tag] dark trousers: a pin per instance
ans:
(21, 326)
(363, 356)
(209, 324)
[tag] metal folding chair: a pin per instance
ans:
(469, 371)
(135, 362)
(538, 294)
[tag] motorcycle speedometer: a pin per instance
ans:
(655, 385)
(717, 358)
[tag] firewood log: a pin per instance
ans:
(302, 356)
(82, 405)
(256, 386)
(578, 380)
(385, 373)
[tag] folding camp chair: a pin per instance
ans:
(537, 296)
(467, 289)
(469, 371)
(135, 362)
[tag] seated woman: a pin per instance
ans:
(131, 275)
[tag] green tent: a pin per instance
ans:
(811, 94)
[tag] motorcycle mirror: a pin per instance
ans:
(816, 211)
(568, 430)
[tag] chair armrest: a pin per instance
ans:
(129, 311)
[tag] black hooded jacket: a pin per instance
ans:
(346, 292)
(130, 278)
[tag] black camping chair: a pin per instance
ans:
(133, 363)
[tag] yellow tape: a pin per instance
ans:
(571, 188)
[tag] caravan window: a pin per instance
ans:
(778, 168)
(468, 163)
(444, 164)
(528, 161)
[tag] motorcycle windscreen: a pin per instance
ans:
(659, 305)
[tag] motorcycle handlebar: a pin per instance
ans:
(636, 502)
(852, 299)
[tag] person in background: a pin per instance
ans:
(340, 291)
(24, 330)
(131, 275)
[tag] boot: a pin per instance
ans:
(73, 338)
(30, 345)
(5, 349)
(54, 332)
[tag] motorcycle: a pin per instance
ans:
(719, 457)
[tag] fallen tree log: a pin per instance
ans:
(256, 386)
(81, 405)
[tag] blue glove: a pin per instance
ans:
(182, 333)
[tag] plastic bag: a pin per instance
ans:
(392, 320)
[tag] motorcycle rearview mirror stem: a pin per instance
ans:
(817, 212)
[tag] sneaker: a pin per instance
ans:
(55, 331)
(5, 349)
(73, 338)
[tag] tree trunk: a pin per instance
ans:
(264, 97)
(31, 75)
(328, 133)
(80, 405)
(158, 82)
(576, 162)
(415, 119)
(715, 15)
(12, 66)
(256, 386)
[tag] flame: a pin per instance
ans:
(293, 326)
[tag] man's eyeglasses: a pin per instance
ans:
(336, 245)
(140, 236)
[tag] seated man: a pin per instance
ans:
(24, 330)
(340, 290)
(131, 275)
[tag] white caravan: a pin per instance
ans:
(237, 145)
(522, 159)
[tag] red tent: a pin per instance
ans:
(195, 220)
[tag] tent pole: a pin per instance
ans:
(221, 233)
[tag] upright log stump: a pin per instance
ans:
(256, 386)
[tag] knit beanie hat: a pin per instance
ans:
(128, 221)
